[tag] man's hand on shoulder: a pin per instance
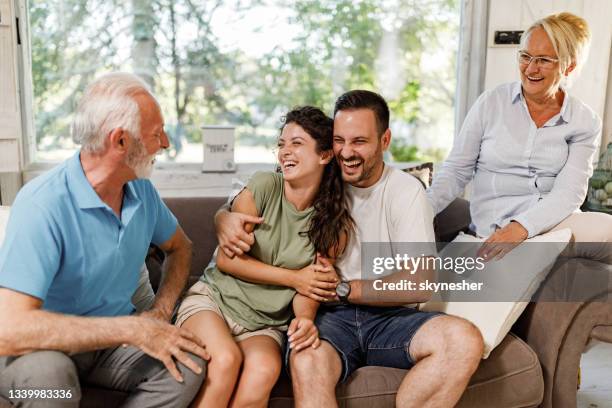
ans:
(231, 232)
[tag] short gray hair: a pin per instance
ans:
(107, 103)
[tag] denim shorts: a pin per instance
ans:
(369, 335)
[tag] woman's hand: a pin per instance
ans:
(503, 241)
(303, 333)
(317, 282)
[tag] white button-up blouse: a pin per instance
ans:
(536, 176)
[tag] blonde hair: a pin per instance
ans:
(570, 36)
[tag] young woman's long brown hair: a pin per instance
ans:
(331, 219)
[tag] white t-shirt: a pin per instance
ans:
(393, 210)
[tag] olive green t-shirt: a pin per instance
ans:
(278, 242)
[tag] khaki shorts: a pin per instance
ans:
(199, 299)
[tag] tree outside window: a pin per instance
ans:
(246, 62)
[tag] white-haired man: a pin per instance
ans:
(76, 239)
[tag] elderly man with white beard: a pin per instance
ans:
(75, 241)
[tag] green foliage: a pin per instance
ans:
(404, 153)
(406, 105)
(335, 47)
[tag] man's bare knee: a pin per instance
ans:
(461, 341)
(322, 363)
(448, 337)
(471, 346)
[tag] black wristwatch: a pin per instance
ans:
(343, 290)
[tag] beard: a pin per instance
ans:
(144, 169)
(368, 166)
(139, 161)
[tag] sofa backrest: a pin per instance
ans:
(453, 219)
(196, 217)
(196, 214)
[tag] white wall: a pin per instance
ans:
(10, 108)
(591, 85)
(10, 116)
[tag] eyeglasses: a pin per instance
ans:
(542, 62)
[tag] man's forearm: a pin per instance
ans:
(223, 210)
(35, 330)
(377, 293)
(175, 273)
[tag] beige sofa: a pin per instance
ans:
(536, 365)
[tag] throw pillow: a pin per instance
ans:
(423, 172)
(522, 270)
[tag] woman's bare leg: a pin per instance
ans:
(225, 359)
(261, 368)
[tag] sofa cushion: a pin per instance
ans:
(195, 215)
(510, 377)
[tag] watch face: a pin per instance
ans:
(343, 289)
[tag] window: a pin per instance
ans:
(244, 63)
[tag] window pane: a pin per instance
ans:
(245, 63)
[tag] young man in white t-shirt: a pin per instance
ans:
(369, 326)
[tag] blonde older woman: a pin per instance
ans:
(528, 147)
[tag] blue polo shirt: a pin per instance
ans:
(65, 246)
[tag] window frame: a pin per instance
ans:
(26, 85)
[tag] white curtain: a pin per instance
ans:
(472, 56)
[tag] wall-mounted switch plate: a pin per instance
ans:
(506, 37)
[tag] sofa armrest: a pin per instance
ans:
(558, 332)
(602, 333)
